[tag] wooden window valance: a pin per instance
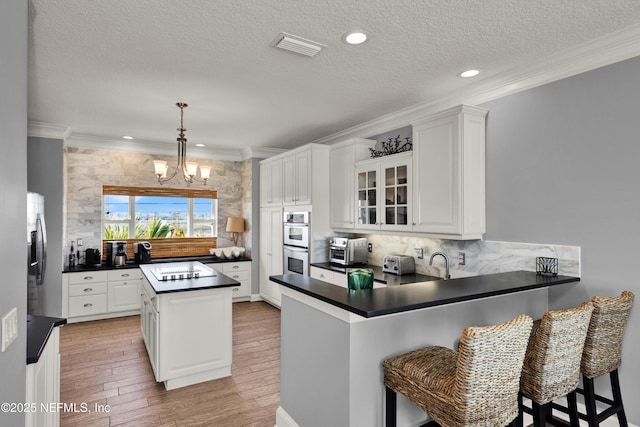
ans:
(118, 190)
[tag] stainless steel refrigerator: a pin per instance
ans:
(36, 252)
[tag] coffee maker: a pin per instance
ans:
(116, 253)
(142, 251)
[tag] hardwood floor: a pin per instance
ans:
(105, 363)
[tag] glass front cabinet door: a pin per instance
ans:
(383, 193)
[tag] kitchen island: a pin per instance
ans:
(333, 340)
(186, 322)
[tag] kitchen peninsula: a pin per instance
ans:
(186, 322)
(333, 340)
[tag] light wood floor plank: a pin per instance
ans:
(105, 362)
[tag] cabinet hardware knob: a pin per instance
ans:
(88, 304)
(88, 289)
(124, 275)
(236, 276)
(153, 299)
(236, 267)
(88, 277)
(236, 289)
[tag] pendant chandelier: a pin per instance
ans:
(189, 169)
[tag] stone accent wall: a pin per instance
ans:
(87, 170)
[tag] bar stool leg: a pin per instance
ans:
(539, 413)
(520, 418)
(590, 401)
(573, 409)
(617, 397)
(390, 415)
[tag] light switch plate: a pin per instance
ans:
(9, 328)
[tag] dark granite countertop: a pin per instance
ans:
(205, 259)
(39, 330)
(219, 280)
(413, 296)
(378, 275)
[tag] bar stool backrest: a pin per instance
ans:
(552, 364)
(488, 369)
(603, 346)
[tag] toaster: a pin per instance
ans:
(399, 264)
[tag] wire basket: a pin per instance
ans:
(546, 266)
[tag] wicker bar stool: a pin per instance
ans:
(603, 355)
(551, 367)
(474, 386)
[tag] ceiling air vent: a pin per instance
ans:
(297, 44)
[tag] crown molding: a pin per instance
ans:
(260, 152)
(48, 130)
(151, 147)
(615, 47)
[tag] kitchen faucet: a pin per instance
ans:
(447, 276)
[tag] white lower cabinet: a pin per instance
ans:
(333, 277)
(94, 295)
(43, 385)
(240, 271)
(188, 335)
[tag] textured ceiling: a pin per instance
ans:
(117, 67)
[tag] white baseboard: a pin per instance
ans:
(283, 419)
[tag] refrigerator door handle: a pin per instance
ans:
(42, 231)
(33, 252)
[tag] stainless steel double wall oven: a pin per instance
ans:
(297, 229)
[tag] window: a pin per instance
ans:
(158, 213)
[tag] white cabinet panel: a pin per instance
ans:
(271, 256)
(296, 178)
(43, 384)
(123, 295)
(271, 183)
(449, 174)
(342, 165)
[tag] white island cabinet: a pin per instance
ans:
(186, 326)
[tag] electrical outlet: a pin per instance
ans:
(9, 328)
(370, 247)
(462, 258)
(419, 252)
(80, 242)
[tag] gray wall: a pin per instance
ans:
(562, 168)
(45, 175)
(13, 197)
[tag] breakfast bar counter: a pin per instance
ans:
(333, 340)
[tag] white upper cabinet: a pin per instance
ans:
(383, 193)
(449, 174)
(297, 178)
(271, 182)
(343, 194)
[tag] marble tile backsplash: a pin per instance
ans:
(482, 257)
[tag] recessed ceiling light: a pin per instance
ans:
(469, 73)
(127, 137)
(199, 145)
(355, 37)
